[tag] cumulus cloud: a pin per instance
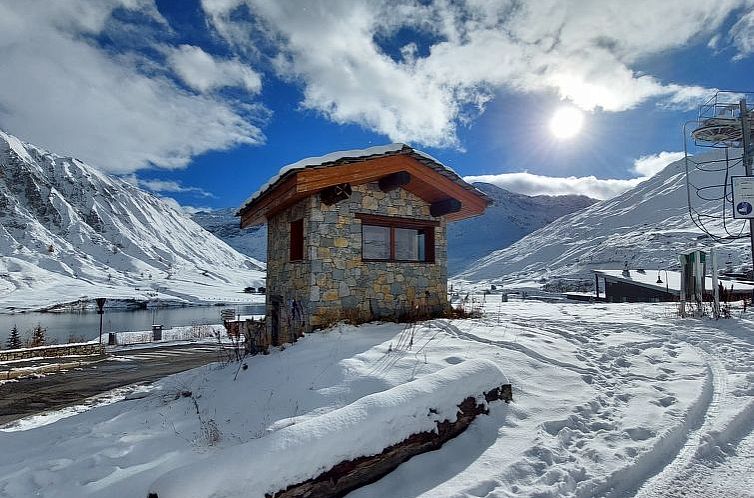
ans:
(590, 186)
(204, 73)
(60, 90)
(582, 50)
(652, 164)
(167, 186)
(182, 208)
(531, 184)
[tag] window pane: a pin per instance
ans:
(407, 244)
(375, 242)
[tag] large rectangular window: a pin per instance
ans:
(397, 239)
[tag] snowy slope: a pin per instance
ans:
(647, 227)
(68, 231)
(510, 217)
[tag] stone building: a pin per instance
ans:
(357, 235)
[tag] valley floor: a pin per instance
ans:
(609, 400)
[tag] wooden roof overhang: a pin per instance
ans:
(429, 181)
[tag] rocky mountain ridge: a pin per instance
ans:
(69, 232)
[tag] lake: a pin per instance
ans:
(85, 325)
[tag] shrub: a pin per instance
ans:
(14, 339)
(37, 336)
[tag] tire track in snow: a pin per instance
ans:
(514, 346)
(670, 481)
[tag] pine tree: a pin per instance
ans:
(37, 336)
(14, 340)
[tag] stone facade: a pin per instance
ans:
(332, 282)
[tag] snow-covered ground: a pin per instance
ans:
(609, 400)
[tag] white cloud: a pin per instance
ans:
(582, 50)
(58, 89)
(531, 184)
(204, 73)
(742, 35)
(654, 163)
(181, 208)
(168, 186)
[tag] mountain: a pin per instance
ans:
(225, 225)
(646, 227)
(69, 232)
(510, 217)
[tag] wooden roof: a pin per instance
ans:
(430, 180)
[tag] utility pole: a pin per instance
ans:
(748, 155)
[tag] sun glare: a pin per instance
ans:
(566, 122)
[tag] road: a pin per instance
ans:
(34, 395)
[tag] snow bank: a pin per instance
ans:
(309, 448)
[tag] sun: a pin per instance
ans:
(566, 122)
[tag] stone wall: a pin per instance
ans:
(52, 351)
(287, 280)
(333, 282)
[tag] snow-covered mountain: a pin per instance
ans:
(70, 232)
(647, 227)
(508, 219)
(225, 225)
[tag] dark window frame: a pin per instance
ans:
(296, 249)
(393, 222)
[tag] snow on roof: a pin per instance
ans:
(333, 157)
(671, 280)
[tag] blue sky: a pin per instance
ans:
(202, 101)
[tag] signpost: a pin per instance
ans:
(745, 205)
(228, 314)
(743, 197)
(101, 310)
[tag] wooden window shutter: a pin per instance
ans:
(297, 240)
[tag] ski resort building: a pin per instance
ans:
(357, 235)
(657, 286)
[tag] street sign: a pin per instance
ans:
(228, 314)
(743, 197)
(100, 304)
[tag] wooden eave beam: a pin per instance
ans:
(394, 181)
(445, 207)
